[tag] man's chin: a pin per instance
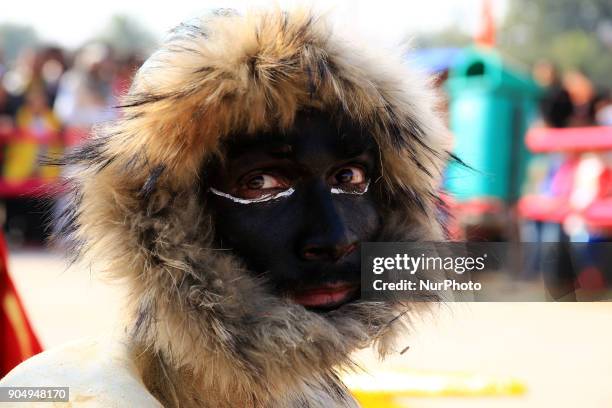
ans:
(326, 297)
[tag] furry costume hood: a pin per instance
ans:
(208, 333)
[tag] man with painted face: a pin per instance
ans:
(253, 155)
(295, 206)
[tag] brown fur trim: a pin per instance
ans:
(210, 333)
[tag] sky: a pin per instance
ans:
(70, 23)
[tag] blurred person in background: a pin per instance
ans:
(582, 92)
(8, 109)
(36, 118)
(38, 136)
(51, 67)
(601, 109)
(85, 94)
(550, 175)
(126, 68)
(19, 75)
(556, 106)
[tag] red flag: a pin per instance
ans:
(17, 339)
(486, 34)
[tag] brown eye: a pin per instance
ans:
(256, 182)
(260, 185)
(262, 182)
(349, 175)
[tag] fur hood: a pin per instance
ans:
(207, 332)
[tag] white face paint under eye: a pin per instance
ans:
(262, 199)
(336, 190)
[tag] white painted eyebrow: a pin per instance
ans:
(269, 197)
(336, 190)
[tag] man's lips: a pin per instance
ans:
(325, 296)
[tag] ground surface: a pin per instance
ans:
(562, 352)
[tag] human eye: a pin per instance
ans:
(261, 184)
(349, 179)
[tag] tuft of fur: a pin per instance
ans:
(209, 333)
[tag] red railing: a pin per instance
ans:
(549, 208)
(550, 140)
(22, 171)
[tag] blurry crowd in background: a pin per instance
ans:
(49, 100)
(567, 192)
(571, 99)
(48, 89)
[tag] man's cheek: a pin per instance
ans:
(362, 217)
(261, 236)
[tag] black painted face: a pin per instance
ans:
(295, 207)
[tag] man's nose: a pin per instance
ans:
(327, 236)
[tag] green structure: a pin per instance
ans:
(491, 107)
